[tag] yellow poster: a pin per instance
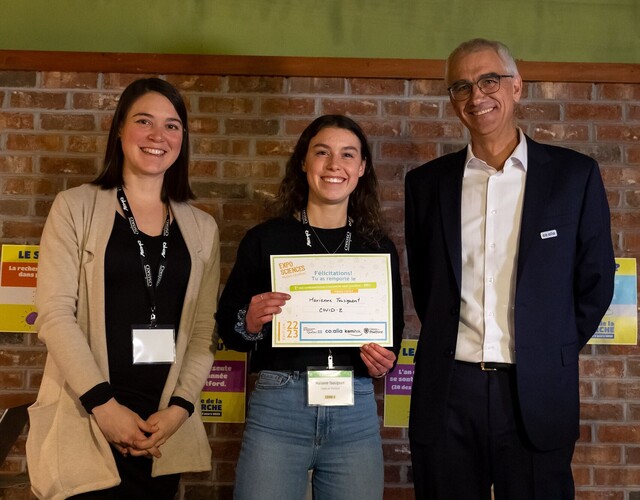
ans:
(397, 387)
(223, 397)
(18, 275)
(620, 323)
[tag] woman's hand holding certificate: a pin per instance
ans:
(262, 308)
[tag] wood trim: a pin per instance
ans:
(13, 399)
(341, 67)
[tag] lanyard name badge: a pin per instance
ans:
(330, 385)
(152, 343)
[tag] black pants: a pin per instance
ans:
(137, 483)
(485, 445)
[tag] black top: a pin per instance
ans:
(139, 387)
(251, 276)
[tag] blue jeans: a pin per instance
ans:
(284, 439)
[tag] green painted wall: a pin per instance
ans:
(536, 30)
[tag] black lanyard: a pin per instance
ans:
(146, 267)
(347, 246)
(307, 233)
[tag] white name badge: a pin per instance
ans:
(153, 345)
(545, 235)
(330, 387)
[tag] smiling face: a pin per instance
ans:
(151, 136)
(488, 117)
(333, 165)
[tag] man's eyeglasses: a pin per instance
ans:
(489, 84)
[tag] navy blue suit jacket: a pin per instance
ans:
(564, 286)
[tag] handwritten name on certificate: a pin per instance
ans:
(336, 300)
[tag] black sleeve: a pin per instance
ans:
(411, 242)
(595, 263)
(398, 302)
(397, 296)
(182, 403)
(245, 281)
(96, 396)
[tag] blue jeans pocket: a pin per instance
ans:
(272, 380)
(362, 386)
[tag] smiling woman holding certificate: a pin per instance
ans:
(313, 408)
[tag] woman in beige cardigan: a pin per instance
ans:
(127, 287)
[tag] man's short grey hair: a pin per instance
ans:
(478, 44)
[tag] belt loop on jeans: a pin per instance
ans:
(294, 374)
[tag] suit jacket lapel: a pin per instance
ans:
(539, 182)
(450, 208)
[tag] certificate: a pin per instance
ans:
(342, 300)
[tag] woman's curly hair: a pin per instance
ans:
(364, 204)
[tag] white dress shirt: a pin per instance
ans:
(491, 215)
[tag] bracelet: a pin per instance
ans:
(241, 326)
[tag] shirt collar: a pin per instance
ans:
(518, 156)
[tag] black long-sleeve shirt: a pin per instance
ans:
(126, 304)
(251, 276)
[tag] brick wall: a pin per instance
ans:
(53, 133)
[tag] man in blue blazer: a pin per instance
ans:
(511, 267)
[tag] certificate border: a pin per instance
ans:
(322, 343)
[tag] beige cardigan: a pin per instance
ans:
(67, 453)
